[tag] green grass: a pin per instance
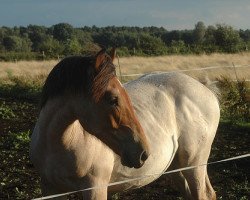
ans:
(5, 111)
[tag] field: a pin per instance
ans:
(134, 65)
(19, 110)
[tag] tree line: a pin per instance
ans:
(40, 42)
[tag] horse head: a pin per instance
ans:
(111, 116)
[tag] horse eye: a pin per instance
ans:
(113, 101)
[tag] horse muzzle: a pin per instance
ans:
(133, 161)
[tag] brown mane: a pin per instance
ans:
(77, 75)
(101, 80)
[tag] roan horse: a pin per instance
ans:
(91, 131)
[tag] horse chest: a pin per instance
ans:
(162, 154)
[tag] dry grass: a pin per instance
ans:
(26, 68)
(134, 65)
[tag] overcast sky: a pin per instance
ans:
(171, 14)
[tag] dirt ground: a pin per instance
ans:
(19, 180)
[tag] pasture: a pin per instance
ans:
(134, 65)
(20, 84)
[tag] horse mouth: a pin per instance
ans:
(128, 162)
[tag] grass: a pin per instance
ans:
(25, 68)
(134, 65)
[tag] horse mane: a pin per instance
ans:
(78, 75)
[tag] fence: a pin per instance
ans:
(142, 177)
(167, 172)
(185, 70)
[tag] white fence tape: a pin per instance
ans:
(186, 70)
(168, 172)
(142, 177)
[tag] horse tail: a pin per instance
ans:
(212, 86)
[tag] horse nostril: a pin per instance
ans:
(144, 156)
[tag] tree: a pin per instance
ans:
(199, 32)
(227, 39)
(50, 47)
(72, 47)
(37, 35)
(150, 45)
(168, 37)
(26, 44)
(12, 43)
(245, 35)
(62, 32)
(177, 47)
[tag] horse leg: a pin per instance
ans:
(99, 185)
(193, 153)
(95, 194)
(197, 179)
(210, 191)
(179, 180)
(100, 189)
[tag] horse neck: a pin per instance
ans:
(63, 133)
(57, 116)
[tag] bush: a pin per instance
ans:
(235, 101)
(22, 87)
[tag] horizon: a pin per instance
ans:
(177, 15)
(125, 26)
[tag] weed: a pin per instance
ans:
(16, 175)
(5, 111)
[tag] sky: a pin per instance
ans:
(170, 14)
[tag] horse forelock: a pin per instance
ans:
(101, 80)
(76, 75)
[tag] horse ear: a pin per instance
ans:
(113, 53)
(99, 58)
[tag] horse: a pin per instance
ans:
(92, 130)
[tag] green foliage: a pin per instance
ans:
(123, 51)
(12, 43)
(177, 47)
(22, 87)
(227, 39)
(5, 111)
(50, 47)
(63, 39)
(17, 44)
(235, 102)
(37, 35)
(62, 32)
(72, 47)
(150, 45)
(199, 32)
